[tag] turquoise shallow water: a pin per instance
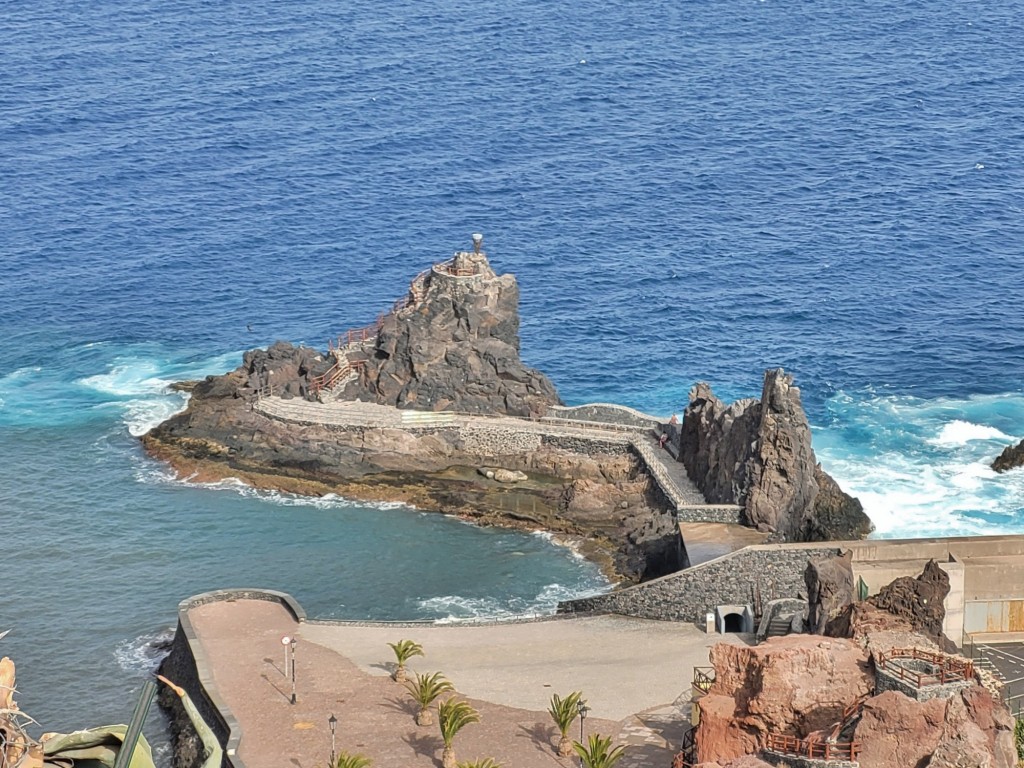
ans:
(685, 191)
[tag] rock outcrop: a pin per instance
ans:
(757, 453)
(452, 344)
(1011, 458)
(455, 347)
(798, 684)
(817, 689)
(970, 729)
(904, 609)
(829, 583)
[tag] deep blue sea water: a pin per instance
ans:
(685, 191)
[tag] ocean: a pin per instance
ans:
(685, 191)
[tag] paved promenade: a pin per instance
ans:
(635, 676)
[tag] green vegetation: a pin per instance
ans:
(598, 753)
(563, 712)
(486, 762)
(404, 650)
(425, 690)
(1018, 739)
(345, 760)
(453, 715)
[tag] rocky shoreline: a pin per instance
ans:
(451, 346)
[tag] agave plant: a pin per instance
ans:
(453, 715)
(598, 753)
(404, 650)
(486, 762)
(345, 760)
(425, 690)
(563, 712)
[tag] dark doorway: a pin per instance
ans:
(733, 622)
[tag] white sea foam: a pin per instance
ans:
(921, 467)
(959, 432)
(151, 471)
(457, 608)
(145, 652)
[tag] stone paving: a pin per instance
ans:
(635, 675)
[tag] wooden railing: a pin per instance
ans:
(703, 678)
(333, 375)
(848, 715)
(815, 750)
(951, 669)
(449, 268)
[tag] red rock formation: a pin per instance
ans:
(796, 684)
(800, 684)
(971, 729)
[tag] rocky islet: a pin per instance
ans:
(451, 345)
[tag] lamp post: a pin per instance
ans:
(333, 722)
(583, 709)
(293, 644)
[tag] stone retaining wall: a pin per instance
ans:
(775, 571)
(792, 761)
(711, 513)
(887, 680)
(498, 442)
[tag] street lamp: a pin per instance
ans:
(583, 709)
(294, 642)
(333, 721)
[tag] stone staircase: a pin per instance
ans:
(779, 626)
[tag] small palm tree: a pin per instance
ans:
(404, 650)
(453, 715)
(598, 752)
(563, 712)
(486, 762)
(345, 760)
(425, 690)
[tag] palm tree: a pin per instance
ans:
(345, 760)
(404, 650)
(425, 691)
(598, 752)
(487, 762)
(563, 712)
(453, 715)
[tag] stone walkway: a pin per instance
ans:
(635, 676)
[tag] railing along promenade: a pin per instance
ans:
(949, 669)
(812, 749)
(703, 678)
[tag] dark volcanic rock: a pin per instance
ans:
(829, 583)
(780, 474)
(455, 347)
(837, 515)
(1011, 458)
(758, 454)
(919, 601)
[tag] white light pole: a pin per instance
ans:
(286, 642)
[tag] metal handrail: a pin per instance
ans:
(703, 678)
